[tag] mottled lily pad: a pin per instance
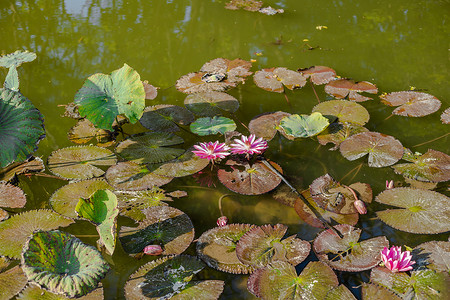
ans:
(62, 264)
(184, 165)
(338, 132)
(340, 292)
(347, 254)
(303, 126)
(420, 211)
(383, 150)
(214, 125)
(411, 104)
(374, 292)
(31, 165)
(434, 255)
(344, 110)
(166, 118)
(12, 282)
(318, 74)
(342, 88)
(250, 5)
(267, 125)
(445, 116)
(11, 196)
(32, 292)
(210, 104)
(236, 70)
(273, 79)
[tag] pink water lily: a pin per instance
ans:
(249, 145)
(396, 260)
(211, 150)
(222, 221)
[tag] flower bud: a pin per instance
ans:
(153, 250)
(360, 207)
(222, 221)
(389, 184)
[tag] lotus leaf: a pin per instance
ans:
(304, 125)
(62, 264)
(344, 110)
(214, 125)
(210, 104)
(267, 125)
(340, 292)
(12, 282)
(12, 61)
(318, 74)
(411, 104)
(375, 292)
(166, 118)
(273, 79)
(250, 5)
(342, 88)
(433, 255)
(150, 91)
(33, 292)
(445, 116)
(11, 196)
(421, 211)
(184, 165)
(31, 165)
(338, 132)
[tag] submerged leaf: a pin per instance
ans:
(411, 104)
(318, 74)
(304, 125)
(11, 196)
(344, 110)
(214, 125)
(342, 88)
(166, 118)
(210, 104)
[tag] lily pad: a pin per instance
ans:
(434, 255)
(21, 127)
(11, 196)
(214, 125)
(411, 104)
(445, 116)
(347, 254)
(340, 292)
(383, 150)
(62, 264)
(82, 132)
(32, 292)
(267, 125)
(342, 88)
(150, 91)
(31, 165)
(166, 118)
(273, 79)
(164, 225)
(12, 282)
(184, 165)
(338, 132)
(210, 104)
(15, 231)
(344, 110)
(103, 97)
(375, 292)
(420, 211)
(318, 74)
(236, 70)
(304, 126)
(250, 5)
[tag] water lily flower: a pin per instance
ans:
(389, 184)
(153, 250)
(396, 260)
(249, 145)
(222, 221)
(211, 150)
(360, 207)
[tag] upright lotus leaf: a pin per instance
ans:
(342, 88)
(411, 104)
(263, 245)
(347, 254)
(250, 5)
(344, 110)
(338, 132)
(423, 284)
(103, 97)
(11, 196)
(318, 74)
(62, 264)
(340, 292)
(32, 292)
(150, 147)
(375, 292)
(12, 61)
(267, 125)
(21, 127)
(217, 248)
(303, 126)
(432, 166)
(383, 150)
(243, 178)
(150, 91)
(273, 79)
(15, 231)
(445, 116)
(210, 104)
(31, 165)
(279, 280)
(434, 255)
(166, 226)
(421, 211)
(12, 81)
(214, 125)
(166, 117)
(184, 165)
(101, 209)
(12, 282)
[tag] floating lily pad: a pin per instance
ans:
(340, 292)
(236, 70)
(150, 91)
(214, 125)
(434, 255)
(12, 282)
(338, 132)
(421, 211)
(342, 88)
(263, 245)
(194, 83)
(383, 150)
(184, 165)
(210, 104)
(164, 225)
(248, 179)
(31, 165)
(273, 79)
(445, 116)
(32, 292)
(411, 104)
(166, 118)
(318, 74)
(347, 254)
(304, 126)
(11, 196)
(150, 147)
(82, 132)
(21, 127)
(267, 125)
(432, 166)
(62, 264)
(3, 214)
(103, 97)
(344, 110)
(375, 292)
(4, 263)
(250, 5)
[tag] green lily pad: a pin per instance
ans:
(263, 245)
(267, 125)
(103, 97)
(31, 165)
(374, 292)
(184, 165)
(11, 196)
(15, 231)
(273, 79)
(434, 255)
(214, 125)
(411, 104)
(62, 264)
(12, 282)
(344, 110)
(166, 118)
(21, 127)
(164, 225)
(421, 211)
(150, 147)
(347, 254)
(338, 132)
(318, 74)
(342, 88)
(32, 292)
(383, 150)
(210, 104)
(340, 292)
(304, 126)
(16, 58)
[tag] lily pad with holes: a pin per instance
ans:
(243, 178)
(166, 118)
(434, 255)
(150, 147)
(383, 150)
(32, 292)
(103, 97)
(210, 104)
(80, 162)
(318, 74)
(217, 248)
(214, 125)
(21, 127)
(184, 165)
(344, 110)
(264, 244)
(419, 211)
(411, 104)
(347, 254)
(166, 226)
(302, 126)
(62, 264)
(11, 196)
(340, 292)
(374, 292)
(342, 88)
(267, 125)
(338, 132)
(273, 79)
(31, 165)
(12, 282)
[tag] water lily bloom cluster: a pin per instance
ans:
(396, 260)
(211, 150)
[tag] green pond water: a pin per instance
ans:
(397, 45)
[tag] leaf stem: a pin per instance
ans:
(440, 137)
(314, 89)
(220, 203)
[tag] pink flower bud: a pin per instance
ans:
(389, 184)
(222, 221)
(360, 207)
(153, 250)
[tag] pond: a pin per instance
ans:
(396, 45)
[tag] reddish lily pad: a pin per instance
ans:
(31, 165)
(150, 91)
(303, 126)
(420, 211)
(383, 150)
(338, 132)
(411, 104)
(445, 116)
(375, 292)
(434, 255)
(342, 88)
(11, 196)
(347, 254)
(12, 282)
(273, 79)
(267, 125)
(184, 165)
(344, 110)
(166, 118)
(210, 104)
(340, 292)
(318, 74)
